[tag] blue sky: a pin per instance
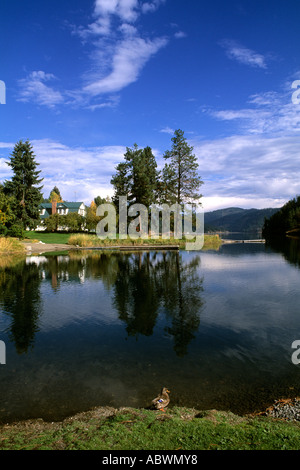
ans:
(87, 78)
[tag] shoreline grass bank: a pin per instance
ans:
(10, 245)
(179, 428)
(83, 240)
(92, 241)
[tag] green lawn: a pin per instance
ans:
(57, 238)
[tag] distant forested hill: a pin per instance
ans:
(235, 219)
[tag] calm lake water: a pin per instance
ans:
(89, 329)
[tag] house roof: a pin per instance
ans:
(68, 205)
(71, 206)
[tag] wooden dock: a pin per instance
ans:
(243, 241)
(132, 248)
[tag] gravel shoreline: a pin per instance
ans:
(286, 409)
(40, 248)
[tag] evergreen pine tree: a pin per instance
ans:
(144, 177)
(24, 184)
(137, 177)
(180, 179)
(121, 182)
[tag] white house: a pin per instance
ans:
(61, 208)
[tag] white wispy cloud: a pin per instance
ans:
(125, 9)
(180, 35)
(6, 145)
(271, 112)
(128, 60)
(149, 7)
(167, 130)
(33, 88)
(259, 164)
(118, 55)
(244, 55)
(105, 11)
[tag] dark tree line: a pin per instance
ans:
(285, 221)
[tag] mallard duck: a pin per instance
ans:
(162, 400)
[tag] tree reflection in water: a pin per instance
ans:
(21, 301)
(148, 282)
(182, 299)
(142, 285)
(289, 247)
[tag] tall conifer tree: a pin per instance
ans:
(180, 179)
(136, 177)
(24, 186)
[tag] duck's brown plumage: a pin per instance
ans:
(162, 400)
